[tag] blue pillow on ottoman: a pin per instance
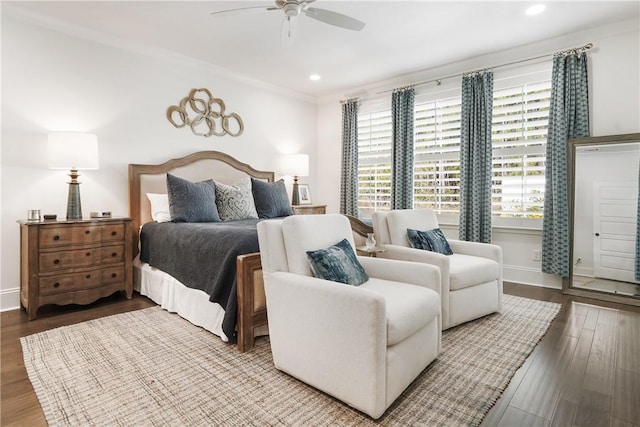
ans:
(431, 240)
(337, 263)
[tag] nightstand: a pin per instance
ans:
(309, 209)
(362, 250)
(74, 261)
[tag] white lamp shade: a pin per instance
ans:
(73, 150)
(296, 165)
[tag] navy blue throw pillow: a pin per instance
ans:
(270, 198)
(192, 201)
(431, 240)
(337, 263)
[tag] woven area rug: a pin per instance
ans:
(151, 367)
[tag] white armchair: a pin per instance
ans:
(361, 344)
(471, 277)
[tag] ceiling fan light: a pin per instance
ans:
(291, 9)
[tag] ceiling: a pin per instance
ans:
(400, 37)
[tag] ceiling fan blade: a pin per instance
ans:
(288, 31)
(334, 18)
(246, 10)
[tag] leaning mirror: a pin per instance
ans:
(604, 174)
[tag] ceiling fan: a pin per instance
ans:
(292, 9)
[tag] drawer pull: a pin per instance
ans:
(88, 276)
(113, 233)
(56, 285)
(114, 254)
(56, 261)
(88, 254)
(113, 275)
(56, 237)
(87, 231)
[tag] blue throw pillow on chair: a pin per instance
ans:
(337, 263)
(431, 240)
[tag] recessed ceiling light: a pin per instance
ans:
(535, 9)
(314, 77)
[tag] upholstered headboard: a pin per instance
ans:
(198, 166)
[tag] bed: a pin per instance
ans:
(246, 295)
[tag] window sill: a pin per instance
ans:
(510, 229)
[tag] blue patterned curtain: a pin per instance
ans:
(568, 118)
(475, 157)
(349, 175)
(402, 113)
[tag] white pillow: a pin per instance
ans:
(159, 207)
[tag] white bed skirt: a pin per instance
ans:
(191, 304)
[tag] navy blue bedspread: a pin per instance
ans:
(202, 256)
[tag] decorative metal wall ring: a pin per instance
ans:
(204, 114)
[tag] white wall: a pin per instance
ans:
(56, 81)
(614, 75)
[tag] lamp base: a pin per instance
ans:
(74, 209)
(295, 196)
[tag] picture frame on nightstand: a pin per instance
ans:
(304, 195)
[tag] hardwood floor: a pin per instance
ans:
(18, 403)
(584, 372)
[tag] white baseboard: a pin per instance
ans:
(582, 271)
(9, 299)
(530, 276)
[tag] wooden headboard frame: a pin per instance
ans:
(198, 166)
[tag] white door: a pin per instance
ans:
(614, 225)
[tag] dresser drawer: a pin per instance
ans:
(81, 281)
(71, 282)
(113, 274)
(112, 233)
(112, 254)
(51, 261)
(60, 236)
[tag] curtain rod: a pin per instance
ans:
(439, 81)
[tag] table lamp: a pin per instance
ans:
(296, 165)
(73, 151)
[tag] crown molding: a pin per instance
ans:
(88, 34)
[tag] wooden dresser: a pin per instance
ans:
(74, 261)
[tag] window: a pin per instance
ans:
(519, 139)
(436, 178)
(374, 162)
(519, 132)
